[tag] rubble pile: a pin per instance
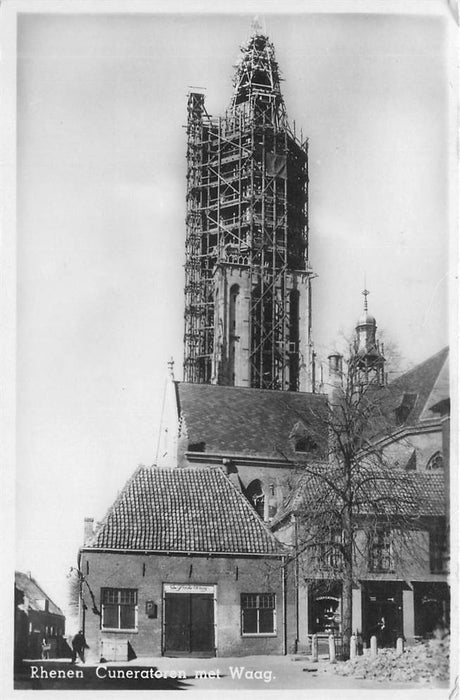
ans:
(425, 661)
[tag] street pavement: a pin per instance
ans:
(259, 673)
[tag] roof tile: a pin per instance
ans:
(183, 510)
(239, 420)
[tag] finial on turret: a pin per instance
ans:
(365, 293)
(256, 26)
(171, 367)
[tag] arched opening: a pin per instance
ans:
(232, 322)
(294, 297)
(256, 497)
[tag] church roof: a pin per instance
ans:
(421, 388)
(236, 420)
(35, 595)
(183, 510)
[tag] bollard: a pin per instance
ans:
(399, 646)
(331, 648)
(314, 648)
(352, 646)
(373, 645)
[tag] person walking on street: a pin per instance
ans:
(78, 646)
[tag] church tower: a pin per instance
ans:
(247, 275)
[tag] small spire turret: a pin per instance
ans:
(368, 360)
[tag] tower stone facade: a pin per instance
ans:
(247, 275)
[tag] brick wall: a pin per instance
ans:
(147, 573)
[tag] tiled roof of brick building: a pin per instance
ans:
(36, 596)
(183, 510)
(238, 420)
(412, 494)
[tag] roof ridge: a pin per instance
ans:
(228, 387)
(410, 371)
(158, 503)
(31, 578)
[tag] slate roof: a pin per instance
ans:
(415, 494)
(428, 383)
(183, 510)
(238, 420)
(35, 594)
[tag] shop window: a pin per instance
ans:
(381, 556)
(258, 614)
(119, 608)
(325, 614)
(435, 463)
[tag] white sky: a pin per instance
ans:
(100, 223)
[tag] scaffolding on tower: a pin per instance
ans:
(247, 206)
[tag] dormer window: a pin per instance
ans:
(305, 444)
(197, 446)
(301, 440)
(404, 409)
(435, 463)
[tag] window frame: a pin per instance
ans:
(258, 608)
(119, 604)
(328, 553)
(435, 463)
(385, 546)
(437, 537)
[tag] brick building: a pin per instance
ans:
(399, 575)
(183, 565)
(36, 619)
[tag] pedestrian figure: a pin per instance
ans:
(45, 649)
(78, 647)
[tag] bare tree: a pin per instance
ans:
(351, 487)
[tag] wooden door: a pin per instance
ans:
(189, 624)
(177, 623)
(202, 623)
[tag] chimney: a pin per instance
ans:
(335, 382)
(232, 472)
(88, 530)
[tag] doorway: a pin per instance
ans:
(189, 624)
(382, 612)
